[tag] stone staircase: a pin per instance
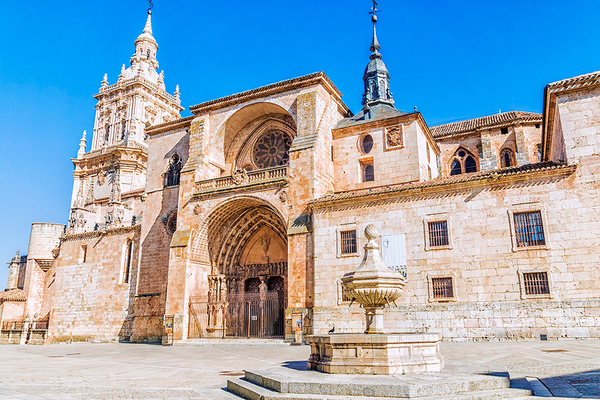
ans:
(280, 383)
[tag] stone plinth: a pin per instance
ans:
(396, 353)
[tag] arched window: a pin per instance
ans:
(507, 158)
(174, 170)
(368, 172)
(463, 162)
(538, 153)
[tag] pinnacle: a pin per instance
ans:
(148, 26)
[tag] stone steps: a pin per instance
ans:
(251, 391)
(281, 383)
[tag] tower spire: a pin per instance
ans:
(376, 77)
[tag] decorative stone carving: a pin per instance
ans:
(115, 190)
(393, 136)
(283, 196)
(55, 252)
(197, 209)
(89, 198)
(239, 176)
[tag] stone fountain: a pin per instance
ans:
(375, 286)
(373, 352)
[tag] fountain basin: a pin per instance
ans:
(378, 354)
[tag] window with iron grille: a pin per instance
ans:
(536, 283)
(346, 294)
(348, 242)
(438, 233)
(529, 230)
(442, 288)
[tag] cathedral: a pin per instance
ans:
(240, 220)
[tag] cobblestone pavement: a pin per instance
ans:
(568, 369)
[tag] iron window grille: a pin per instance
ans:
(536, 283)
(438, 233)
(529, 230)
(346, 295)
(348, 242)
(442, 288)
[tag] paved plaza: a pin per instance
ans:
(568, 369)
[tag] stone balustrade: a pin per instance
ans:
(241, 178)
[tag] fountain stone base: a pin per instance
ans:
(376, 354)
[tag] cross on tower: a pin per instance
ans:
(152, 6)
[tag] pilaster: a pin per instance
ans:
(487, 160)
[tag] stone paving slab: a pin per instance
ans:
(569, 368)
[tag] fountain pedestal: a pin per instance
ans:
(378, 354)
(375, 286)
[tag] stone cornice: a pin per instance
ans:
(70, 237)
(275, 88)
(155, 130)
(90, 162)
(496, 177)
(138, 81)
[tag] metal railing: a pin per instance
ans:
(247, 315)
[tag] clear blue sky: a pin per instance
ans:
(452, 59)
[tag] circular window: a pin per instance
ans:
(171, 222)
(461, 153)
(366, 144)
(272, 149)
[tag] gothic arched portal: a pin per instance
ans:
(245, 242)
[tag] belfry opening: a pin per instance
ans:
(246, 245)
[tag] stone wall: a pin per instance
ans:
(466, 321)
(93, 298)
(482, 259)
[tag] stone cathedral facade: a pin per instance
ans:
(241, 219)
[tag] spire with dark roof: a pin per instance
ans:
(376, 77)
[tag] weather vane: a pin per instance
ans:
(374, 9)
(152, 6)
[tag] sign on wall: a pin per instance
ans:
(394, 252)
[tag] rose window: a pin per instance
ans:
(272, 149)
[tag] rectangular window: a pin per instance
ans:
(536, 283)
(438, 233)
(529, 230)
(504, 131)
(348, 242)
(345, 295)
(442, 288)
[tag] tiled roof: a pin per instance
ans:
(473, 177)
(575, 82)
(377, 113)
(13, 295)
(488, 121)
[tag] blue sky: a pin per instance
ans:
(452, 59)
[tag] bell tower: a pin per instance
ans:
(109, 179)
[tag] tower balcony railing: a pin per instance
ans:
(242, 179)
